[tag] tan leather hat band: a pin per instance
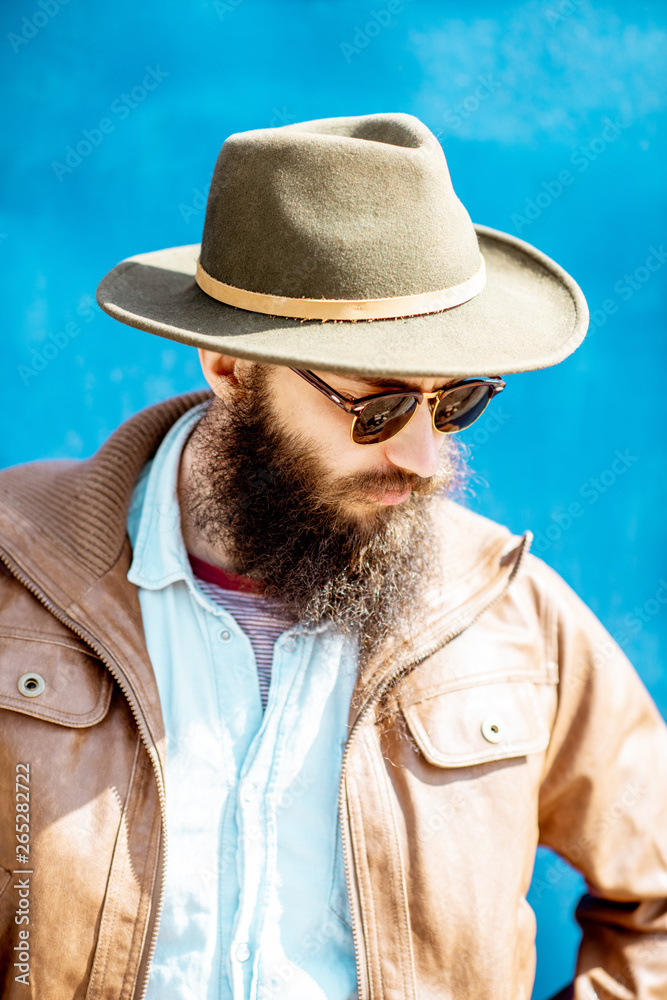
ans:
(344, 309)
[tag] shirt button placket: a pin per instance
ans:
(241, 953)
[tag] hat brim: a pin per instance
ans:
(531, 314)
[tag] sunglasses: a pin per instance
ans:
(379, 417)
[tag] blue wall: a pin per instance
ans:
(517, 93)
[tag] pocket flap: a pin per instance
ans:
(76, 689)
(480, 723)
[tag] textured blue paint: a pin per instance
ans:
(552, 82)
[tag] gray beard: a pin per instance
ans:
(266, 499)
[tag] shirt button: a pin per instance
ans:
(290, 644)
(248, 793)
(224, 635)
(242, 952)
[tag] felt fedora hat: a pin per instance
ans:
(340, 245)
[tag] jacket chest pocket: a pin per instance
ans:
(481, 723)
(54, 736)
(52, 677)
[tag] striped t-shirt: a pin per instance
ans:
(242, 597)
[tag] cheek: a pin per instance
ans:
(328, 436)
(324, 429)
(316, 423)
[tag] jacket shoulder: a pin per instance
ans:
(550, 586)
(538, 594)
(40, 478)
(454, 516)
(468, 541)
(478, 533)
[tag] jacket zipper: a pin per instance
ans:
(378, 694)
(119, 677)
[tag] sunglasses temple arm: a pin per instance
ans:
(318, 383)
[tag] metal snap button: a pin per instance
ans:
(224, 635)
(31, 685)
(493, 730)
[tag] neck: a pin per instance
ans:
(195, 542)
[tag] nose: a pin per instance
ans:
(416, 448)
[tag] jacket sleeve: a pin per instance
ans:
(603, 805)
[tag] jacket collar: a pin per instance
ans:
(63, 532)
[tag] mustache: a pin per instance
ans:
(358, 487)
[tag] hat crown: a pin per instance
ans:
(338, 208)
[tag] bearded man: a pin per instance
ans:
(281, 719)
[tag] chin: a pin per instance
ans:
(368, 515)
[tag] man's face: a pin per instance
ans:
(404, 462)
(278, 490)
(360, 481)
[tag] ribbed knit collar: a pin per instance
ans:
(81, 507)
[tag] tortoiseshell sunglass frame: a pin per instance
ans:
(494, 383)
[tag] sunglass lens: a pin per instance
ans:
(460, 408)
(382, 418)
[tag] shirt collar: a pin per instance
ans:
(154, 518)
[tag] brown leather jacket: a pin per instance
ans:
(513, 719)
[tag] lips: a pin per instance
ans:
(390, 497)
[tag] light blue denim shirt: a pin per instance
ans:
(255, 904)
